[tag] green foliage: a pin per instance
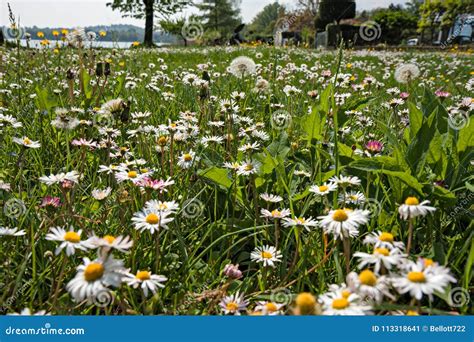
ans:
(264, 23)
(396, 24)
(221, 16)
(334, 11)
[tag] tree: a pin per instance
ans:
(263, 24)
(147, 9)
(396, 24)
(221, 16)
(175, 27)
(333, 11)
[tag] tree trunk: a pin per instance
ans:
(148, 41)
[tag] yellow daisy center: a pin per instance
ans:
(271, 307)
(367, 277)
(143, 275)
(416, 277)
(132, 174)
(162, 141)
(339, 215)
(383, 251)
(93, 271)
(232, 306)
(301, 220)
(26, 141)
(276, 212)
(187, 157)
(323, 188)
(386, 237)
(72, 237)
(412, 201)
(340, 303)
(109, 238)
(152, 218)
(346, 293)
(412, 313)
(306, 303)
(428, 262)
(266, 255)
(248, 167)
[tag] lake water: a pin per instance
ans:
(35, 43)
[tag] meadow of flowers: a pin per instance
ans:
(253, 180)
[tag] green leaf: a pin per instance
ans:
(406, 178)
(43, 99)
(217, 175)
(376, 164)
(416, 119)
(466, 137)
(279, 147)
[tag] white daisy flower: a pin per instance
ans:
(70, 240)
(418, 279)
(345, 181)
(5, 186)
(170, 206)
(324, 189)
(275, 214)
(152, 220)
(94, 277)
(100, 194)
(146, 280)
(383, 240)
(268, 255)
(413, 208)
(72, 176)
(232, 166)
(26, 142)
(28, 312)
(368, 285)
(269, 308)
(271, 198)
(233, 304)
(108, 242)
(186, 160)
(381, 257)
(342, 302)
(352, 197)
(131, 175)
(248, 168)
(307, 223)
(4, 231)
(344, 222)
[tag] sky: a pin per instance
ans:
(75, 13)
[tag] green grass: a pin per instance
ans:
(226, 225)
